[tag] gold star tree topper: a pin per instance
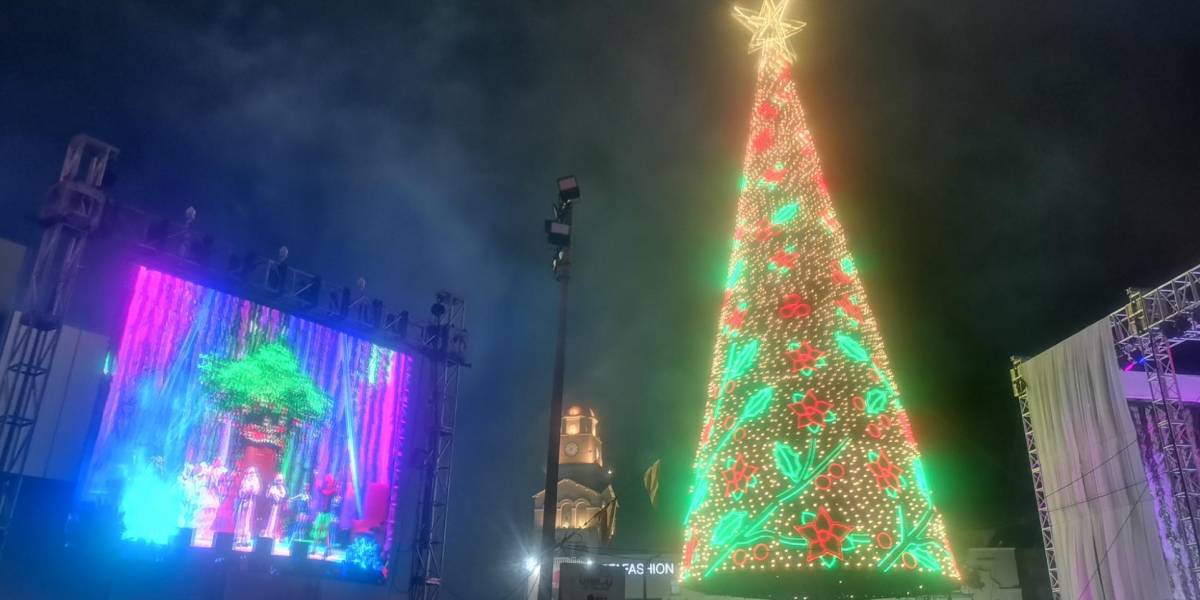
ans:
(770, 30)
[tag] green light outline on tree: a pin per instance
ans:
(734, 533)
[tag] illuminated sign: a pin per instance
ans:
(645, 568)
(577, 582)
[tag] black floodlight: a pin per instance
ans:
(568, 188)
(558, 234)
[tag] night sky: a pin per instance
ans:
(1003, 170)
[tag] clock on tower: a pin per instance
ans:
(580, 443)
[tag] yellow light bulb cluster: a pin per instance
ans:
(806, 460)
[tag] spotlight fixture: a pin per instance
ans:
(568, 188)
(557, 233)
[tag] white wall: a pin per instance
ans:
(996, 570)
(12, 257)
(71, 396)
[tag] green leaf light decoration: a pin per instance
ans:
(727, 530)
(851, 347)
(785, 213)
(757, 404)
(788, 461)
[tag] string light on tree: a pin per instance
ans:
(806, 466)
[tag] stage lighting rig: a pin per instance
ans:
(558, 229)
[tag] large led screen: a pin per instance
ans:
(229, 421)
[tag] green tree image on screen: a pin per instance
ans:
(265, 382)
(806, 470)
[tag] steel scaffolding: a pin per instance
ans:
(1145, 331)
(71, 212)
(1035, 467)
(445, 341)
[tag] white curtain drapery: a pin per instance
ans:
(1106, 539)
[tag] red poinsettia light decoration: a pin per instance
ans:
(887, 474)
(805, 357)
(784, 259)
(763, 141)
(690, 551)
(764, 230)
(738, 476)
(767, 110)
(825, 536)
(810, 411)
(736, 318)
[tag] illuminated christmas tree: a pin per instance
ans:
(807, 478)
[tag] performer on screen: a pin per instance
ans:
(277, 494)
(251, 487)
(221, 482)
(221, 479)
(325, 523)
(326, 492)
(300, 509)
(191, 483)
(209, 501)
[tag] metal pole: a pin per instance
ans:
(550, 500)
(558, 233)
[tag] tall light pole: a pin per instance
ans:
(558, 233)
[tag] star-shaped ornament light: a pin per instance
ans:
(770, 30)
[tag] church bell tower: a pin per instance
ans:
(580, 442)
(587, 507)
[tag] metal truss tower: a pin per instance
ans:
(1153, 323)
(1021, 392)
(71, 212)
(444, 341)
